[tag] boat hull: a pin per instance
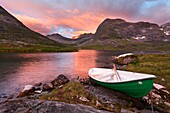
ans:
(136, 89)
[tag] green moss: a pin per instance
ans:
(72, 92)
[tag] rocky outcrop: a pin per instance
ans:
(39, 87)
(47, 86)
(120, 100)
(166, 29)
(28, 89)
(60, 80)
(124, 60)
(39, 106)
(159, 95)
(116, 100)
(153, 102)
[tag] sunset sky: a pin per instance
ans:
(73, 17)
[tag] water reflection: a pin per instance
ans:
(83, 61)
(17, 70)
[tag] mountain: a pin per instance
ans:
(60, 39)
(13, 33)
(117, 33)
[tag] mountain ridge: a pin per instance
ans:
(111, 30)
(124, 29)
(15, 33)
(117, 33)
(110, 34)
(61, 39)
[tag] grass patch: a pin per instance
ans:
(130, 45)
(72, 92)
(157, 64)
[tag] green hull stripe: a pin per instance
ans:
(134, 89)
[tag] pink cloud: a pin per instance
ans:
(86, 21)
(38, 25)
(42, 18)
(82, 16)
(81, 23)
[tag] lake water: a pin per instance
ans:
(18, 70)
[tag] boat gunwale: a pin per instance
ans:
(120, 82)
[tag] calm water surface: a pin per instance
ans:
(18, 70)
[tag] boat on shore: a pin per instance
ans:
(134, 84)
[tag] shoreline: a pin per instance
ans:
(36, 49)
(83, 95)
(48, 49)
(102, 98)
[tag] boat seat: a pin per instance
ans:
(111, 75)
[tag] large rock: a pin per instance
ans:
(47, 86)
(28, 89)
(60, 80)
(124, 60)
(159, 95)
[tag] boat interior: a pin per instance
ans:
(111, 75)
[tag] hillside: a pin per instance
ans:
(81, 39)
(14, 33)
(119, 34)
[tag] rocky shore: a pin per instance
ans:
(83, 96)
